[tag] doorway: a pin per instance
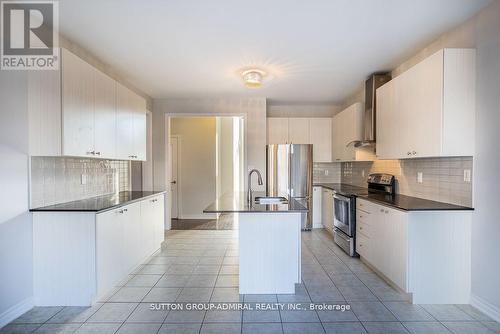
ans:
(207, 161)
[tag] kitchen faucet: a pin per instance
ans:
(249, 193)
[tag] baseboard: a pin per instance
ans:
(486, 307)
(16, 310)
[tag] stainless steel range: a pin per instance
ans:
(344, 202)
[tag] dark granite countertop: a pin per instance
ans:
(402, 202)
(237, 203)
(101, 203)
(344, 189)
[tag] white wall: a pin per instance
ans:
(486, 224)
(16, 273)
(197, 182)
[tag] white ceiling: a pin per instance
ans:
(318, 51)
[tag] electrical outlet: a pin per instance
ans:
(467, 175)
(420, 177)
(326, 172)
(83, 179)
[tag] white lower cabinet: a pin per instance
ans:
(80, 257)
(316, 213)
(424, 253)
(327, 213)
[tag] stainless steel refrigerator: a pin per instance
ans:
(290, 174)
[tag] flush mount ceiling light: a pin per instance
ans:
(253, 77)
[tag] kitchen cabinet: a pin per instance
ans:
(347, 127)
(104, 115)
(320, 135)
(77, 106)
(130, 125)
(425, 253)
(79, 111)
(79, 257)
(317, 207)
(298, 131)
(316, 131)
(428, 111)
(277, 130)
(327, 213)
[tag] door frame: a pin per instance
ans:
(179, 168)
(166, 149)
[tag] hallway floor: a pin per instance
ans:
(202, 266)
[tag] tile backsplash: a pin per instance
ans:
(442, 178)
(327, 172)
(56, 180)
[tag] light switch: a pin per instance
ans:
(467, 175)
(83, 179)
(420, 177)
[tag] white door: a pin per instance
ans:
(174, 149)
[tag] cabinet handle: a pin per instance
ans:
(414, 153)
(408, 153)
(361, 227)
(91, 153)
(98, 153)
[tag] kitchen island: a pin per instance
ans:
(269, 241)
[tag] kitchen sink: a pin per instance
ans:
(271, 200)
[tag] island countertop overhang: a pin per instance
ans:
(237, 203)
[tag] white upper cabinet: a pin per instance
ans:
(130, 124)
(104, 115)
(77, 106)
(428, 111)
(277, 130)
(347, 127)
(303, 130)
(320, 135)
(298, 131)
(79, 111)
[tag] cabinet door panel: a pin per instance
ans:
(109, 251)
(124, 123)
(426, 116)
(131, 220)
(387, 123)
(139, 120)
(77, 106)
(277, 130)
(320, 135)
(317, 203)
(159, 220)
(298, 130)
(105, 115)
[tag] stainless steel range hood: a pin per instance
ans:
(372, 83)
